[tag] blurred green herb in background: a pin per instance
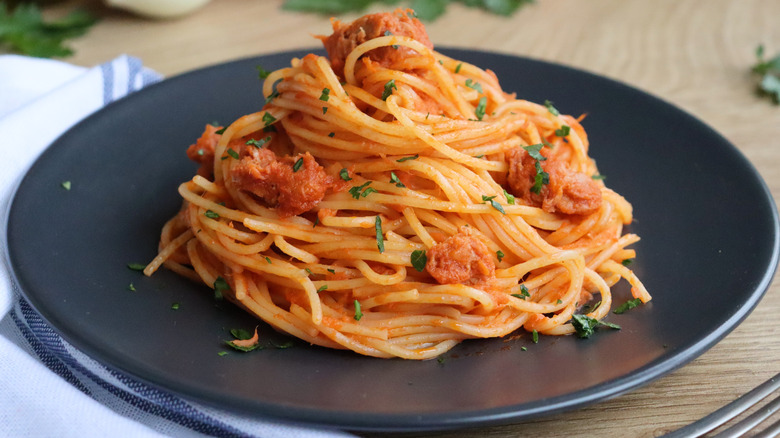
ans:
(770, 75)
(428, 10)
(23, 30)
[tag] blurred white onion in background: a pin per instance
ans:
(158, 8)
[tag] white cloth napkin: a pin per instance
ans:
(47, 387)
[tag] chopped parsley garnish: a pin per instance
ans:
(220, 286)
(66, 185)
(389, 89)
(220, 131)
(322, 288)
(598, 177)
(308, 271)
(523, 348)
(628, 305)
(222, 353)
(232, 153)
(380, 240)
(500, 255)
(419, 259)
(332, 134)
(563, 131)
(211, 214)
(394, 180)
(585, 325)
(344, 174)
(361, 190)
(358, 312)
(316, 221)
(258, 143)
(131, 287)
(510, 198)
(535, 336)
(136, 266)
(627, 262)
(325, 94)
(559, 301)
(268, 118)
(298, 164)
(324, 110)
(474, 85)
(458, 67)
(479, 156)
(245, 341)
(523, 293)
(413, 157)
(175, 306)
(268, 259)
(554, 111)
(494, 203)
(332, 271)
(480, 111)
(534, 151)
(283, 345)
(541, 176)
(262, 73)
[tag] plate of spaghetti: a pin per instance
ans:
(383, 235)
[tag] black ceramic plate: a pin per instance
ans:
(709, 248)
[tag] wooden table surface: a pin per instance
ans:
(695, 54)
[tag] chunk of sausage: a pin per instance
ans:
(461, 258)
(275, 180)
(568, 191)
(202, 151)
(346, 37)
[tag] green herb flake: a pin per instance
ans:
(220, 131)
(325, 94)
(298, 164)
(480, 111)
(535, 336)
(769, 70)
(332, 271)
(585, 325)
(554, 111)
(458, 67)
(361, 190)
(510, 198)
(241, 334)
(388, 33)
(308, 271)
(627, 262)
(559, 302)
(394, 180)
(524, 293)
(66, 185)
(332, 134)
(322, 288)
(563, 131)
(222, 353)
(628, 305)
(500, 255)
(131, 287)
(262, 73)
(541, 178)
(523, 348)
(534, 151)
(324, 110)
(232, 153)
(598, 177)
(344, 174)
(380, 240)
(389, 86)
(242, 348)
(211, 214)
(136, 266)
(175, 306)
(358, 312)
(220, 286)
(413, 157)
(268, 259)
(268, 118)
(258, 143)
(419, 259)
(474, 85)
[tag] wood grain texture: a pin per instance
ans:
(695, 54)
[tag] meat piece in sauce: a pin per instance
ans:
(461, 258)
(278, 183)
(568, 191)
(202, 151)
(346, 37)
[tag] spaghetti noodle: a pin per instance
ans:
(393, 201)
